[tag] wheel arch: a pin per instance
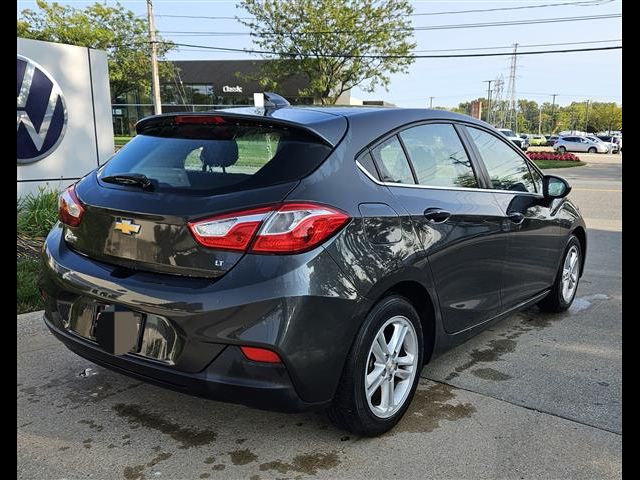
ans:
(421, 300)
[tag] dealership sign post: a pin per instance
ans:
(64, 123)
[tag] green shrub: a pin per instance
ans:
(29, 298)
(38, 213)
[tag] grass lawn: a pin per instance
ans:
(120, 141)
(544, 164)
(29, 298)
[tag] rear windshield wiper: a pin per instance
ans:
(134, 179)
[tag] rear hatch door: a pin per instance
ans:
(197, 166)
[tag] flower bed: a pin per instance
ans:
(568, 157)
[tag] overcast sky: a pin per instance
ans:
(573, 76)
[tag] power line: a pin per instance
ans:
(522, 7)
(466, 55)
(470, 49)
(422, 28)
(541, 94)
(426, 14)
(520, 46)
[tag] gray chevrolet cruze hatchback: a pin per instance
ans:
(305, 258)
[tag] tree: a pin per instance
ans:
(528, 116)
(325, 40)
(463, 107)
(114, 29)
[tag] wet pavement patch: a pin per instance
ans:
(495, 349)
(308, 463)
(429, 407)
(530, 319)
(187, 437)
(80, 395)
(242, 457)
(136, 472)
(490, 374)
(92, 425)
(161, 457)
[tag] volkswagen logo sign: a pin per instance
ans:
(42, 113)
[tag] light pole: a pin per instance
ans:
(586, 123)
(553, 113)
(488, 82)
(155, 79)
(540, 120)
(431, 102)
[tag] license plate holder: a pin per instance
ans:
(117, 329)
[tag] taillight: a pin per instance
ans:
(260, 355)
(285, 229)
(232, 231)
(297, 227)
(70, 210)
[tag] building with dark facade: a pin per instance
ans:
(201, 85)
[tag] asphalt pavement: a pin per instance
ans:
(535, 396)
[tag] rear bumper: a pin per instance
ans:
(229, 378)
(300, 306)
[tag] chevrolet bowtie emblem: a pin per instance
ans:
(127, 226)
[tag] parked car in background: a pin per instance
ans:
(536, 140)
(611, 144)
(522, 143)
(619, 142)
(579, 144)
(551, 140)
(305, 259)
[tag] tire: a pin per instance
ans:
(557, 300)
(352, 409)
(562, 150)
(592, 150)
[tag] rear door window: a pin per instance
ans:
(218, 158)
(438, 157)
(366, 161)
(392, 162)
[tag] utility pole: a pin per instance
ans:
(511, 89)
(553, 113)
(488, 82)
(540, 121)
(586, 123)
(155, 78)
(431, 102)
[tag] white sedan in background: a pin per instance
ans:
(613, 147)
(575, 143)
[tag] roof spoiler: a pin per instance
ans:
(219, 117)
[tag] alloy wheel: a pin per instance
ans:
(391, 366)
(570, 272)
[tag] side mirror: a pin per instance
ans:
(555, 187)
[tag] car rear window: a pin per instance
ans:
(208, 159)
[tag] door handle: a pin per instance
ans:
(436, 215)
(516, 217)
